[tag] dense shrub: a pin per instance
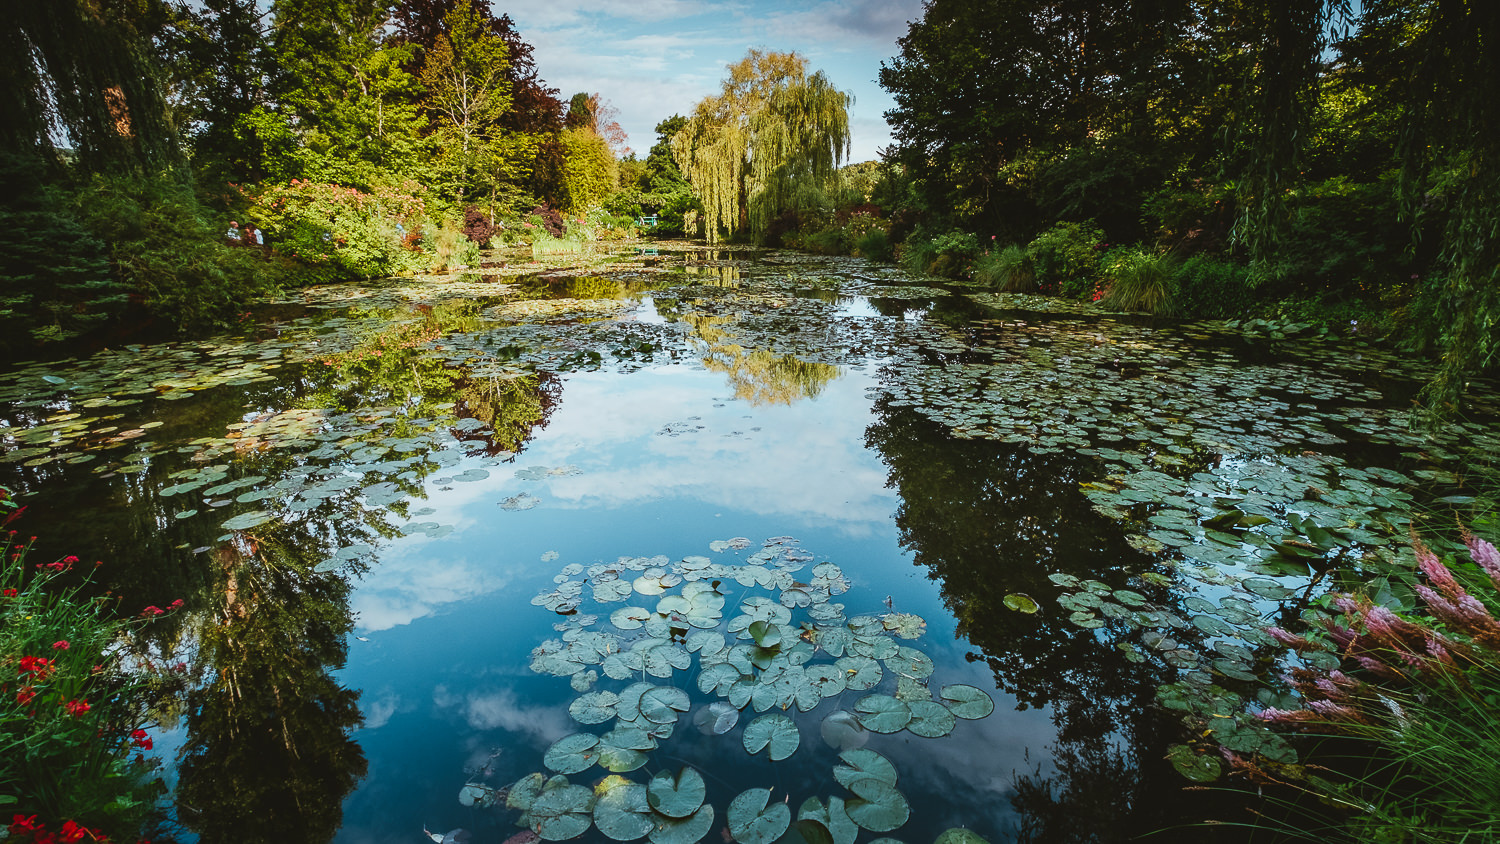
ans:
(477, 226)
(948, 254)
(1211, 288)
(875, 245)
(1066, 258)
(547, 218)
(1008, 269)
(342, 232)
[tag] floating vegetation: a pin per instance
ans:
(789, 649)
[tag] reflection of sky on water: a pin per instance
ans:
(448, 623)
(797, 468)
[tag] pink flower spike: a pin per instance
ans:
(60, 645)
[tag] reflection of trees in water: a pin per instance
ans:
(757, 376)
(989, 519)
(270, 758)
(513, 408)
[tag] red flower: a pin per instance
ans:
(71, 832)
(11, 593)
(77, 708)
(70, 559)
(140, 739)
(40, 666)
(152, 610)
(26, 695)
(61, 645)
(21, 823)
(175, 604)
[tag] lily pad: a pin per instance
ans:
(594, 707)
(245, 521)
(775, 731)
(558, 814)
(689, 830)
(572, 754)
(1021, 602)
(862, 762)
(621, 811)
(930, 719)
(752, 821)
(841, 730)
(877, 806)
(882, 713)
(967, 702)
(679, 796)
(716, 719)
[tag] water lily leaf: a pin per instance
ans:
(572, 754)
(705, 641)
(930, 719)
(957, 835)
(967, 702)
(620, 749)
(594, 707)
(477, 795)
(524, 791)
(775, 731)
(630, 618)
(765, 634)
(662, 704)
(882, 713)
(910, 662)
(718, 678)
(841, 730)
(689, 830)
(1021, 602)
(679, 796)
(816, 823)
(621, 811)
(752, 821)
(833, 639)
(905, 624)
(861, 673)
(878, 806)
(245, 521)
(558, 814)
(861, 762)
(716, 719)
(827, 680)
(1192, 764)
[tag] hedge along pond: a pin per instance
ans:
(680, 545)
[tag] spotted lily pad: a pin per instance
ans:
(690, 830)
(558, 814)
(621, 811)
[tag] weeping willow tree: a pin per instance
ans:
(79, 74)
(769, 143)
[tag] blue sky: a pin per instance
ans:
(656, 58)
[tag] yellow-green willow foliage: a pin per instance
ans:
(769, 143)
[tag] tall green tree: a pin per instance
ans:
(772, 132)
(468, 93)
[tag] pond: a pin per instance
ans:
(675, 544)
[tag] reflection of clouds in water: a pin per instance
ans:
(409, 584)
(806, 461)
(500, 710)
(378, 713)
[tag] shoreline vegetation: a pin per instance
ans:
(1314, 169)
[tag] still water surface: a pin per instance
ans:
(367, 498)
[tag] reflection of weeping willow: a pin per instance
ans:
(513, 408)
(721, 276)
(758, 376)
(270, 757)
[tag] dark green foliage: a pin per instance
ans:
(165, 248)
(1066, 258)
(1213, 288)
(874, 244)
(55, 280)
(949, 254)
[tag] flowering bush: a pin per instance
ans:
(71, 715)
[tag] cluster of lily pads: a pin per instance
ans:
(694, 621)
